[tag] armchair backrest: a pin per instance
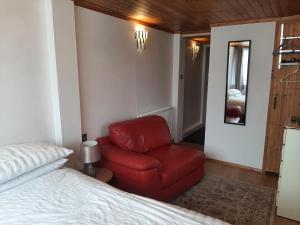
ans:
(140, 135)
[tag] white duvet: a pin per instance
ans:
(66, 196)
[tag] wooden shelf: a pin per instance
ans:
(290, 38)
(289, 51)
(290, 64)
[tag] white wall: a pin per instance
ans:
(153, 69)
(242, 145)
(67, 71)
(39, 90)
(64, 72)
(178, 85)
(25, 95)
(117, 82)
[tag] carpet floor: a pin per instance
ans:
(235, 202)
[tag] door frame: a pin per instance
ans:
(179, 46)
(204, 79)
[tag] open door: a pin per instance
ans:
(195, 89)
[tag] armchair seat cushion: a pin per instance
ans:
(177, 162)
(129, 159)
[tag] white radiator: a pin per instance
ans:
(166, 113)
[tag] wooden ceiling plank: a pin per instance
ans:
(256, 6)
(190, 15)
(249, 10)
(94, 7)
(275, 7)
(267, 9)
(235, 5)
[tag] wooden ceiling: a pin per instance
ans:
(187, 16)
(202, 40)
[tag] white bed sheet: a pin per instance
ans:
(66, 196)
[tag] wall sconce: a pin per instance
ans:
(195, 50)
(141, 36)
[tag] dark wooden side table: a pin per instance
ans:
(103, 174)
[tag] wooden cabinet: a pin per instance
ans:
(288, 196)
(284, 99)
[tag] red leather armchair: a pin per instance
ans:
(145, 162)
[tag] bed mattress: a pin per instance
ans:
(66, 196)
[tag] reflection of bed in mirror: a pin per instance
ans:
(237, 100)
(237, 82)
(235, 109)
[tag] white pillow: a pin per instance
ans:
(32, 174)
(16, 160)
(234, 92)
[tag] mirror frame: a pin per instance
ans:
(226, 88)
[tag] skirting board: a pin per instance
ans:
(235, 165)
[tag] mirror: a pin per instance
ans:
(238, 61)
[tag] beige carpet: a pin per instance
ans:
(231, 201)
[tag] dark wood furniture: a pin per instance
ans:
(103, 174)
(284, 100)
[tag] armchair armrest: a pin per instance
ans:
(131, 160)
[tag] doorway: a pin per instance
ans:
(195, 88)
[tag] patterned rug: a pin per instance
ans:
(232, 201)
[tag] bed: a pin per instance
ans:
(66, 196)
(237, 100)
(235, 107)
